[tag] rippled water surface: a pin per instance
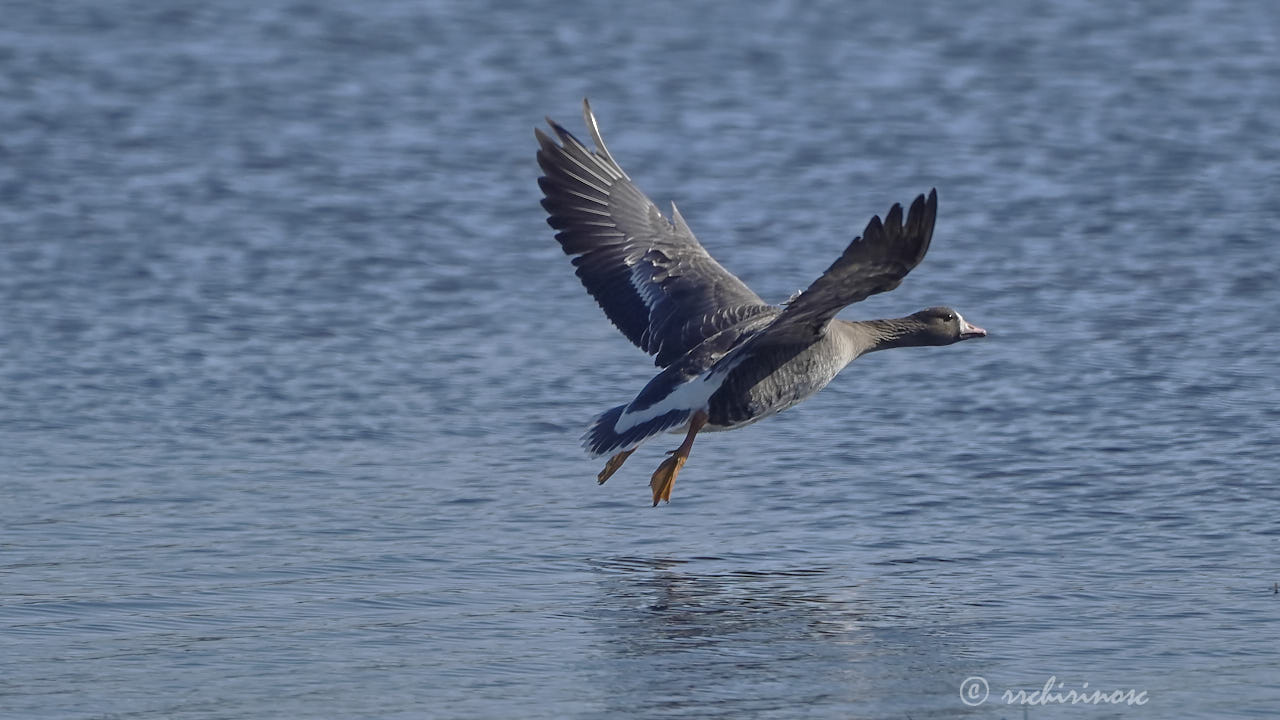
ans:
(293, 371)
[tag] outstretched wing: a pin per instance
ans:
(650, 275)
(874, 263)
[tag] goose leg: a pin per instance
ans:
(665, 476)
(612, 466)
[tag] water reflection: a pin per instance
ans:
(672, 603)
(701, 638)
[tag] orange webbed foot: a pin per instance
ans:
(612, 466)
(665, 476)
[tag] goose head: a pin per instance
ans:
(942, 326)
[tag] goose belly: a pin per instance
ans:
(770, 382)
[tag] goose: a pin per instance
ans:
(727, 358)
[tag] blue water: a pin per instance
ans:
(293, 371)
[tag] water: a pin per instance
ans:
(293, 370)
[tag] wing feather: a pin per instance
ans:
(874, 262)
(650, 275)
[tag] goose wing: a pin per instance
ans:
(650, 275)
(874, 262)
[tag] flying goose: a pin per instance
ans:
(728, 358)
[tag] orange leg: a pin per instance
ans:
(612, 466)
(665, 476)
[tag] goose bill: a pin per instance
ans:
(970, 331)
